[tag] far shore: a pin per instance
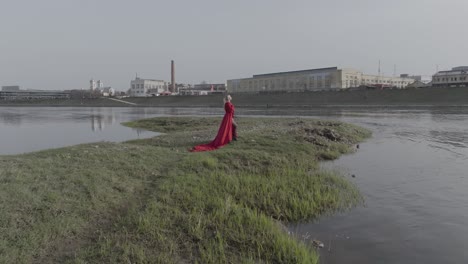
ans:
(441, 97)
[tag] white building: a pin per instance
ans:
(93, 84)
(98, 87)
(146, 87)
(315, 80)
(107, 91)
(458, 76)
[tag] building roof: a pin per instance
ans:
(417, 84)
(107, 89)
(445, 73)
(460, 68)
(294, 72)
(141, 79)
(35, 91)
(455, 71)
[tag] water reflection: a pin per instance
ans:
(99, 121)
(10, 118)
(41, 128)
(96, 122)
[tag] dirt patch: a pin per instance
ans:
(322, 136)
(327, 133)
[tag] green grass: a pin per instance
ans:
(152, 201)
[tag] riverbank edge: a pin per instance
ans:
(152, 201)
(443, 97)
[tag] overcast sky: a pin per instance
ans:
(61, 44)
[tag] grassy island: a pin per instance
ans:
(152, 201)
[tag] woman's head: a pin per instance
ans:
(228, 98)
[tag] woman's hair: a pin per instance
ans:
(228, 97)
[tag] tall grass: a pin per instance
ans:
(151, 201)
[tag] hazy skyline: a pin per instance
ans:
(61, 44)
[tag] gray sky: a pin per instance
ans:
(61, 44)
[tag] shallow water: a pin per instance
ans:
(413, 173)
(26, 129)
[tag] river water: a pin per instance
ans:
(413, 173)
(27, 129)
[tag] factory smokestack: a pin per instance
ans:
(173, 86)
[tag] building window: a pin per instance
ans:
(284, 83)
(328, 82)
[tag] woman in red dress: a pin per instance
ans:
(227, 131)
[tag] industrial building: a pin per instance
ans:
(204, 89)
(331, 78)
(146, 87)
(11, 88)
(33, 94)
(457, 77)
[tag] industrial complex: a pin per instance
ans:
(320, 79)
(331, 78)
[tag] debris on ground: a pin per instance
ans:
(317, 243)
(326, 133)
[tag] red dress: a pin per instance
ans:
(224, 133)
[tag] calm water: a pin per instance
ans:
(26, 129)
(413, 174)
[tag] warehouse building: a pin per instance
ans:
(146, 87)
(331, 78)
(457, 77)
(33, 94)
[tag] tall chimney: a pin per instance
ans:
(173, 86)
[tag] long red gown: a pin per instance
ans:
(224, 133)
